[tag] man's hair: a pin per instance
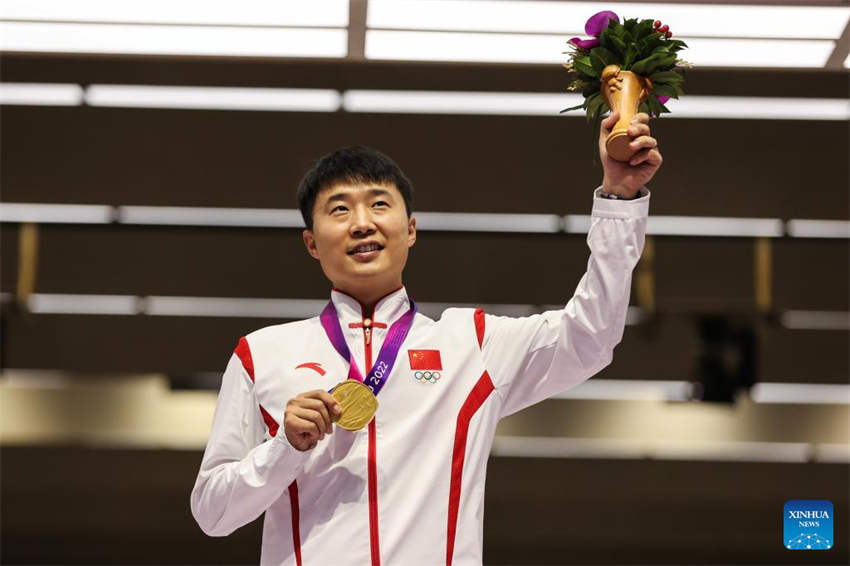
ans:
(352, 165)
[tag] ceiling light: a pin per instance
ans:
(784, 53)
(246, 12)
(629, 390)
(46, 303)
(172, 40)
(488, 222)
(41, 94)
(456, 102)
(692, 226)
(625, 448)
(56, 213)
(713, 226)
(233, 306)
(210, 216)
(569, 17)
(816, 320)
(550, 104)
(800, 228)
(541, 48)
(218, 98)
(470, 47)
(817, 393)
(758, 108)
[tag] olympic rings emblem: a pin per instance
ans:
(427, 376)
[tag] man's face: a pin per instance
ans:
(361, 235)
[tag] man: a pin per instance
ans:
(407, 488)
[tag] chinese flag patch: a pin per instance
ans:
(425, 359)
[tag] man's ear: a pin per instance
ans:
(411, 231)
(310, 243)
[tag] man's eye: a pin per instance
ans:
(339, 207)
(381, 203)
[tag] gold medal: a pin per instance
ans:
(358, 404)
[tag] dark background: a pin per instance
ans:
(73, 503)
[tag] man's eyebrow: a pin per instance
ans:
(375, 191)
(337, 196)
(379, 192)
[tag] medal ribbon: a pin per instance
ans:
(383, 365)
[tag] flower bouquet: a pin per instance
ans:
(631, 67)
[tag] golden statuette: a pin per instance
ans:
(358, 404)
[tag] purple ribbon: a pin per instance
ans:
(383, 365)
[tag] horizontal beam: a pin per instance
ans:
(658, 225)
(347, 75)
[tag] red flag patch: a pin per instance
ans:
(425, 359)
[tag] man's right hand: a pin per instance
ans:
(309, 417)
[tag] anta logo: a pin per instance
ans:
(315, 366)
(426, 365)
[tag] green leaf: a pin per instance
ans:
(604, 55)
(572, 108)
(649, 43)
(619, 43)
(585, 67)
(590, 88)
(597, 64)
(630, 56)
(643, 29)
(594, 131)
(654, 106)
(594, 101)
(665, 77)
(606, 41)
(665, 90)
(663, 64)
(653, 63)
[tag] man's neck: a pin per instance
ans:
(369, 297)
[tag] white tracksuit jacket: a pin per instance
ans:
(408, 489)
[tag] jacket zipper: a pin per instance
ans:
(372, 470)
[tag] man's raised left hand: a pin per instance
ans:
(626, 178)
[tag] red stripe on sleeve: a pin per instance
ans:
(473, 402)
(244, 353)
(296, 529)
(479, 326)
(270, 422)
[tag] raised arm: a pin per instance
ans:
(535, 357)
(532, 358)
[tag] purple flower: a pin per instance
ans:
(594, 27)
(662, 99)
(598, 22)
(584, 43)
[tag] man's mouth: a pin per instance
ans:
(365, 248)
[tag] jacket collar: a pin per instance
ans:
(387, 310)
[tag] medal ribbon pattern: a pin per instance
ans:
(383, 365)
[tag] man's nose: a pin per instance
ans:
(362, 221)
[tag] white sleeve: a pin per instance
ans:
(532, 358)
(240, 475)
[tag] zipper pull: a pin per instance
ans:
(368, 332)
